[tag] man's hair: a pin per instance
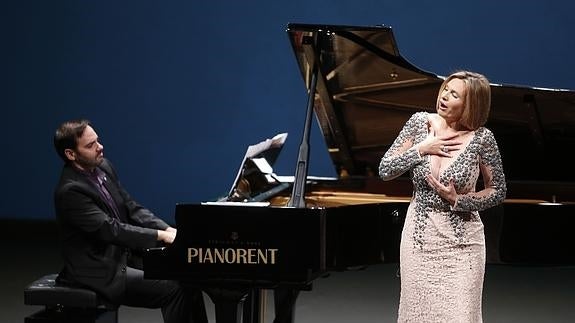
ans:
(67, 134)
(477, 98)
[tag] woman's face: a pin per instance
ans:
(451, 100)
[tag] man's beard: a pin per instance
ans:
(89, 164)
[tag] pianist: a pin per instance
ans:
(102, 228)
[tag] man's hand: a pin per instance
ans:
(167, 235)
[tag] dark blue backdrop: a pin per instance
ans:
(178, 89)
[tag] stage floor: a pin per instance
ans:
(511, 294)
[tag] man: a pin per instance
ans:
(102, 228)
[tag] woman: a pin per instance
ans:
(442, 256)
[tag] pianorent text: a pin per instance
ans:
(248, 256)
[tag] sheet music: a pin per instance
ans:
(276, 141)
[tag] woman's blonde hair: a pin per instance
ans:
(477, 98)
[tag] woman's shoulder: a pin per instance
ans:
(485, 137)
(484, 132)
(422, 115)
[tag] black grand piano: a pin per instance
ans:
(277, 232)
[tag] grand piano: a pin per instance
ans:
(284, 232)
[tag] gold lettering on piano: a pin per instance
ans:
(249, 256)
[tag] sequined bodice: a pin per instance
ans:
(481, 153)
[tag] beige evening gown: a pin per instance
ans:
(442, 252)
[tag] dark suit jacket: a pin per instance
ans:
(96, 245)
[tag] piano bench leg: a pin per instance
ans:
(72, 315)
(66, 304)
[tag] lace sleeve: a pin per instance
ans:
(403, 155)
(495, 188)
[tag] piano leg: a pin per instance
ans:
(228, 303)
(284, 303)
(254, 306)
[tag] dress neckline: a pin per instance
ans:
(453, 159)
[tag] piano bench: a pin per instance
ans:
(65, 304)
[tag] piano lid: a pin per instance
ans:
(366, 91)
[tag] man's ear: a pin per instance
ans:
(70, 154)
